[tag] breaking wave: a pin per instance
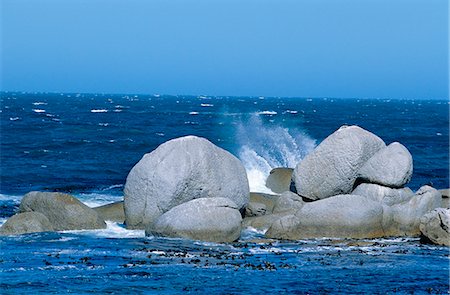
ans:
(264, 147)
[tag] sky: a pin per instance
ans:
(315, 48)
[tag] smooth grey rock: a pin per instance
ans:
(267, 199)
(383, 194)
(178, 171)
(255, 209)
(262, 223)
(113, 212)
(24, 223)
(404, 219)
(64, 211)
(445, 198)
(445, 193)
(342, 216)
(279, 179)
(288, 201)
(332, 167)
(391, 166)
(435, 227)
(206, 219)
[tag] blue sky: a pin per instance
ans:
(316, 48)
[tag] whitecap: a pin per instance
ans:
(160, 134)
(206, 105)
(114, 186)
(103, 124)
(270, 113)
(38, 103)
(193, 113)
(14, 118)
(38, 111)
(99, 111)
(291, 112)
(438, 133)
(97, 199)
(112, 230)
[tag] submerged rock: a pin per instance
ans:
(24, 223)
(403, 219)
(113, 212)
(178, 171)
(332, 167)
(435, 227)
(64, 211)
(342, 216)
(383, 194)
(279, 179)
(206, 219)
(391, 166)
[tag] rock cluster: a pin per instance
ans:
(352, 185)
(179, 171)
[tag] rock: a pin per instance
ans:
(445, 193)
(178, 171)
(279, 179)
(266, 199)
(342, 216)
(445, 198)
(64, 212)
(332, 167)
(435, 227)
(206, 219)
(391, 166)
(383, 194)
(262, 223)
(113, 212)
(288, 201)
(404, 219)
(24, 223)
(255, 209)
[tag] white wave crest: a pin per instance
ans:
(99, 111)
(264, 147)
(270, 113)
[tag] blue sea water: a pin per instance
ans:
(85, 144)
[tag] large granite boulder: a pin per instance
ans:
(342, 216)
(206, 219)
(435, 227)
(64, 211)
(113, 212)
(279, 180)
(403, 219)
(288, 201)
(178, 171)
(267, 199)
(391, 166)
(332, 167)
(24, 223)
(386, 195)
(255, 209)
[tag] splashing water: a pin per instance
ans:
(264, 147)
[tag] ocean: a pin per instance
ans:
(85, 144)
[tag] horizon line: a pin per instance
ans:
(216, 96)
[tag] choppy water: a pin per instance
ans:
(86, 144)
